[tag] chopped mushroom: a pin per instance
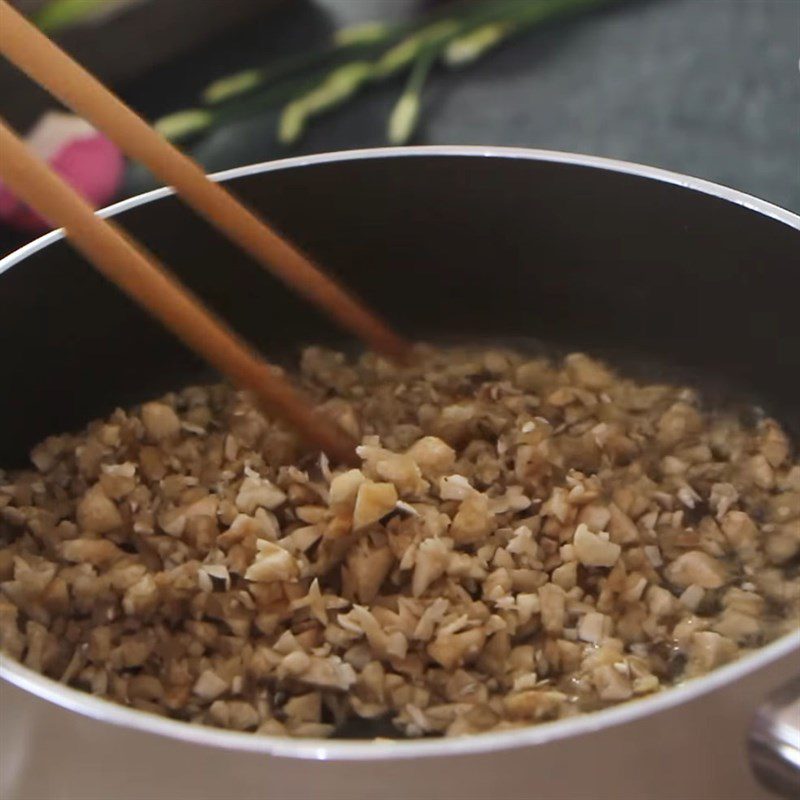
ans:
(433, 456)
(328, 673)
(708, 650)
(473, 520)
(373, 502)
(210, 686)
(344, 488)
(160, 421)
(522, 541)
(552, 607)
(455, 649)
(696, 567)
(612, 684)
(95, 513)
(256, 493)
(533, 705)
(593, 550)
(272, 563)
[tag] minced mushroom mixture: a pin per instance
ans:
(523, 541)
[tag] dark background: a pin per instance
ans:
(706, 87)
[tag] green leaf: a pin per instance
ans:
(360, 42)
(402, 54)
(472, 45)
(340, 84)
(366, 33)
(232, 85)
(403, 119)
(292, 123)
(405, 115)
(183, 124)
(312, 82)
(60, 14)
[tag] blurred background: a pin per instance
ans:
(706, 87)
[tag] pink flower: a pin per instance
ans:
(88, 161)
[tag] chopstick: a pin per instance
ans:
(154, 288)
(53, 69)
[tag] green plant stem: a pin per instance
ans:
(460, 34)
(58, 15)
(434, 36)
(478, 40)
(205, 118)
(405, 115)
(339, 85)
(362, 41)
(338, 49)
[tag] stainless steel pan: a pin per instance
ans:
(659, 272)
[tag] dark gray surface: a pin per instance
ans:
(110, 45)
(706, 87)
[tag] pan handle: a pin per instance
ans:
(774, 741)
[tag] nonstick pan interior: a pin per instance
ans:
(663, 280)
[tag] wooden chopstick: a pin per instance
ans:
(49, 66)
(153, 287)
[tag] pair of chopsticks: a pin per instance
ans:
(138, 274)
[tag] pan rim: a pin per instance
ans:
(700, 185)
